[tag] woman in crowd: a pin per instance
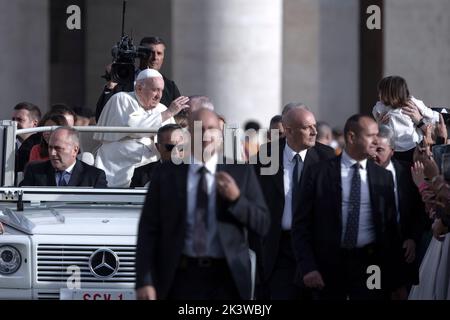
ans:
(434, 274)
(39, 152)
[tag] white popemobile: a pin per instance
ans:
(65, 243)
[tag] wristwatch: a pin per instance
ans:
(420, 123)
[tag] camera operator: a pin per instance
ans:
(121, 152)
(154, 60)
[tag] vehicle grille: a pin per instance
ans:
(53, 261)
(47, 295)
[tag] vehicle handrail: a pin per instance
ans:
(9, 131)
(73, 194)
(90, 129)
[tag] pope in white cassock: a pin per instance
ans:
(120, 153)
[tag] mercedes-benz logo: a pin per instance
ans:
(104, 263)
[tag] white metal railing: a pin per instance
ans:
(8, 137)
(72, 194)
(9, 131)
(90, 129)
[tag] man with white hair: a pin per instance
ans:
(121, 152)
(197, 102)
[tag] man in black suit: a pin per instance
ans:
(27, 115)
(63, 168)
(169, 144)
(275, 255)
(410, 209)
(347, 222)
(192, 239)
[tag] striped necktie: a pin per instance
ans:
(62, 178)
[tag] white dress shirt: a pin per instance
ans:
(288, 169)
(405, 133)
(366, 227)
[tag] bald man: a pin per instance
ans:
(192, 241)
(276, 258)
(121, 152)
(344, 229)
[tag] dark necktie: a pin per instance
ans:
(62, 181)
(351, 231)
(296, 174)
(201, 213)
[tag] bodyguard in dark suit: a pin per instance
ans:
(63, 168)
(143, 174)
(169, 144)
(410, 208)
(275, 255)
(347, 222)
(192, 239)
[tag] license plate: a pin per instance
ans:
(97, 294)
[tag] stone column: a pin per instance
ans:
(417, 47)
(230, 50)
(320, 57)
(24, 59)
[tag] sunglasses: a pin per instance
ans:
(169, 147)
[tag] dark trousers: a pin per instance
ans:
(349, 281)
(203, 279)
(281, 285)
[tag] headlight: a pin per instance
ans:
(10, 260)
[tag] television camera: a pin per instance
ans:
(124, 54)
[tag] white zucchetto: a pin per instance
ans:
(148, 73)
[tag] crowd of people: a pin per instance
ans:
(337, 203)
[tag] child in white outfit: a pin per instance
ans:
(398, 110)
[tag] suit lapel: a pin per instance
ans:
(50, 175)
(220, 202)
(310, 158)
(278, 178)
(372, 180)
(181, 186)
(336, 189)
(221, 167)
(77, 174)
(399, 172)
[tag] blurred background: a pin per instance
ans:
(250, 56)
